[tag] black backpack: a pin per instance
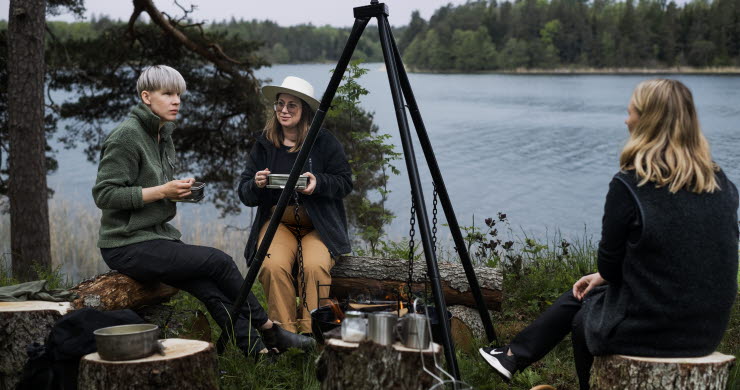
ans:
(54, 365)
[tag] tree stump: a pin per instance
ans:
(632, 372)
(367, 365)
(186, 364)
(116, 291)
(466, 326)
(23, 323)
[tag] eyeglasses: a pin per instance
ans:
(279, 105)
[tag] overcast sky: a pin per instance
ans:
(284, 12)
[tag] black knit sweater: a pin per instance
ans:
(672, 293)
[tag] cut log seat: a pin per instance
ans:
(21, 324)
(116, 291)
(186, 364)
(367, 365)
(710, 372)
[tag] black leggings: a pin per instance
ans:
(541, 336)
(207, 273)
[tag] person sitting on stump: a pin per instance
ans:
(313, 228)
(137, 192)
(667, 259)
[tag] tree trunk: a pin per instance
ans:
(710, 372)
(29, 211)
(344, 365)
(353, 277)
(115, 291)
(186, 364)
(23, 323)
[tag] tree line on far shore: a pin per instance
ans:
(491, 35)
(487, 35)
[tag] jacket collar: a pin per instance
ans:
(150, 121)
(262, 139)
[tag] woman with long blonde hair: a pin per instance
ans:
(668, 255)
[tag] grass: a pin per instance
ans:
(536, 273)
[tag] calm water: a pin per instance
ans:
(541, 149)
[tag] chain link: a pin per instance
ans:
(299, 252)
(434, 220)
(412, 233)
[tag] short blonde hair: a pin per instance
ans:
(160, 78)
(666, 145)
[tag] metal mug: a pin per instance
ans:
(381, 327)
(354, 327)
(415, 331)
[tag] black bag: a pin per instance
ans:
(54, 366)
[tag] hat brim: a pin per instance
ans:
(271, 92)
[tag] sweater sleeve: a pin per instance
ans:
(249, 193)
(118, 169)
(620, 224)
(336, 180)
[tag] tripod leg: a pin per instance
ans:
(285, 195)
(444, 197)
(413, 171)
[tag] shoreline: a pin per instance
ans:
(576, 71)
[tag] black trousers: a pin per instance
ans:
(207, 273)
(550, 328)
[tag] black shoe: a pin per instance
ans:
(497, 358)
(281, 339)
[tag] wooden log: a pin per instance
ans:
(186, 364)
(354, 276)
(116, 291)
(23, 323)
(710, 372)
(466, 326)
(367, 365)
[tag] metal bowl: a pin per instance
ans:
(127, 342)
(278, 181)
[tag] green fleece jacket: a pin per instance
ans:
(132, 159)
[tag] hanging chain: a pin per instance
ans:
(412, 232)
(299, 252)
(434, 220)
(434, 237)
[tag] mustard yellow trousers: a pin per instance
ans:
(277, 274)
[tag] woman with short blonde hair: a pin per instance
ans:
(667, 259)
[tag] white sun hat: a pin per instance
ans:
(295, 86)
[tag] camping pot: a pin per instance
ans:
(127, 342)
(278, 181)
(354, 327)
(381, 327)
(415, 331)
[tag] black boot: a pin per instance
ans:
(281, 339)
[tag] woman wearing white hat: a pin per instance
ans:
(313, 229)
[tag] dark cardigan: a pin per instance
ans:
(325, 207)
(678, 280)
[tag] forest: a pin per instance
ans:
(487, 35)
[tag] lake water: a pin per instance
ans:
(540, 148)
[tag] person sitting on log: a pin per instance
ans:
(313, 228)
(137, 193)
(667, 259)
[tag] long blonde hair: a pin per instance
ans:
(274, 131)
(666, 145)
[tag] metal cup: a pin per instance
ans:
(381, 326)
(415, 333)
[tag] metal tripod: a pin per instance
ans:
(400, 89)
